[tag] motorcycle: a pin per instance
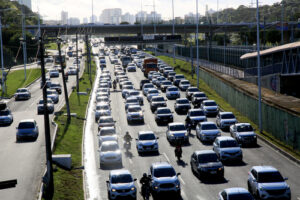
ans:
(178, 154)
(127, 145)
(189, 128)
(115, 86)
(146, 191)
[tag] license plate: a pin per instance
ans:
(213, 172)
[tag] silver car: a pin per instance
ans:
(210, 107)
(107, 134)
(207, 131)
(225, 120)
(146, 142)
(177, 132)
(6, 117)
(22, 94)
(110, 153)
(53, 95)
(50, 106)
(27, 129)
(102, 109)
(172, 92)
(227, 149)
(135, 114)
(243, 133)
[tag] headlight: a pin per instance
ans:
(254, 136)
(113, 190)
(172, 135)
(132, 189)
(220, 168)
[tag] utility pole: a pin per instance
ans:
(281, 26)
(197, 42)
(49, 179)
(154, 23)
(77, 75)
(217, 11)
(2, 60)
(258, 69)
(64, 79)
(87, 51)
(142, 18)
(173, 31)
(24, 41)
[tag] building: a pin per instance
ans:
(190, 18)
(64, 17)
(85, 20)
(26, 3)
(51, 22)
(127, 17)
(153, 17)
(111, 16)
(74, 21)
(141, 17)
(93, 19)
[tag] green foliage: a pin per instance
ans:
(52, 46)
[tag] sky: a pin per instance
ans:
(51, 9)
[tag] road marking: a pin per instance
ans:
(166, 157)
(183, 194)
(181, 180)
(298, 198)
(130, 160)
(198, 197)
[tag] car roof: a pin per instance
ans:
(208, 101)
(201, 152)
(134, 106)
(236, 190)
(161, 165)
(224, 113)
(108, 143)
(195, 109)
(27, 120)
(224, 138)
(106, 117)
(199, 93)
(205, 123)
(243, 124)
(175, 123)
(145, 132)
(265, 169)
(181, 99)
(108, 128)
(163, 108)
(118, 172)
(172, 87)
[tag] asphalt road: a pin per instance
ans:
(191, 186)
(25, 161)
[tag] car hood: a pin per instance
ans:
(211, 164)
(133, 113)
(231, 149)
(178, 133)
(147, 142)
(122, 186)
(165, 179)
(110, 153)
(210, 107)
(210, 132)
(250, 133)
(273, 186)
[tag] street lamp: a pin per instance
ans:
(197, 41)
(173, 31)
(258, 68)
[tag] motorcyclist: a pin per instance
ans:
(178, 150)
(188, 125)
(127, 137)
(115, 84)
(145, 181)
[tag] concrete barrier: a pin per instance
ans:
(63, 160)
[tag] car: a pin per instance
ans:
(156, 102)
(125, 83)
(167, 69)
(197, 98)
(166, 72)
(53, 95)
(177, 78)
(171, 75)
(134, 113)
(110, 153)
(227, 149)
(72, 71)
(243, 133)
(142, 82)
(6, 117)
(195, 116)
(207, 131)
(48, 83)
(235, 193)
(164, 179)
(190, 91)
(225, 119)
(182, 105)
(56, 86)
(205, 163)
(27, 128)
(107, 134)
(146, 87)
(152, 73)
(54, 73)
(172, 92)
(102, 94)
(135, 93)
(126, 89)
(146, 142)
(266, 182)
(120, 184)
(164, 85)
(210, 107)
(50, 106)
(177, 132)
(102, 109)
(131, 101)
(151, 93)
(103, 90)
(159, 81)
(105, 121)
(131, 67)
(103, 85)
(22, 94)
(184, 84)
(102, 99)
(163, 115)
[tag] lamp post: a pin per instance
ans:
(258, 68)
(197, 42)
(24, 42)
(173, 31)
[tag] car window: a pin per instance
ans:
(193, 90)
(183, 101)
(224, 195)
(269, 177)
(164, 172)
(111, 147)
(132, 101)
(147, 137)
(210, 104)
(197, 113)
(106, 120)
(163, 111)
(4, 112)
(25, 125)
(158, 99)
(122, 178)
(254, 173)
(107, 132)
(207, 158)
(185, 82)
(199, 95)
(134, 109)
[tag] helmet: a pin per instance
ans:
(144, 175)
(127, 133)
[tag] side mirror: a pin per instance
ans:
(178, 174)
(286, 179)
(157, 138)
(254, 180)
(135, 179)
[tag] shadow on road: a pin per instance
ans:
(213, 180)
(182, 163)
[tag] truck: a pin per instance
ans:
(150, 64)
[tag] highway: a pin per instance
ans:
(25, 161)
(191, 187)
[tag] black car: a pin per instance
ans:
(197, 99)
(182, 105)
(163, 115)
(143, 82)
(157, 101)
(206, 163)
(190, 91)
(177, 78)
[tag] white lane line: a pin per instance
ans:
(198, 197)
(166, 157)
(298, 198)
(181, 180)
(130, 160)
(183, 194)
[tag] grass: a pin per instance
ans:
(52, 46)
(68, 184)
(182, 67)
(15, 80)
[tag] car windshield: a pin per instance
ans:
(106, 132)
(209, 127)
(132, 101)
(134, 93)
(102, 107)
(172, 89)
(42, 101)
(197, 113)
(55, 85)
(128, 87)
(210, 103)
(149, 86)
(110, 147)
(228, 116)
(179, 77)
(134, 109)
(183, 101)
(152, 91)
(164, 172)
(185, 82)
(199, 95)
(25, 125)
(21, 90)
(228, 144)
(245, 196)
(178, 127)
(166, 83)
(163, 111)
(147, 137)
(172, 73)
(4, 112)
(269, 177)
(244, 128)
(207, 158)
(168, 68)
(121, 178)
(106, 120)
(158, 99)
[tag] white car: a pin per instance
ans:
(135, 113)
(135, 93)
(146, 87)
(227, 149)
(146, 142)
(151, 93)
(131, 67)
(54, 73)
(53, 95)
(207, 131)
(225, 120)
(243, 133)
(235, 193)
(184, 84)
(107, 134)
(110, 153)
(102, 109)
(210, 107)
